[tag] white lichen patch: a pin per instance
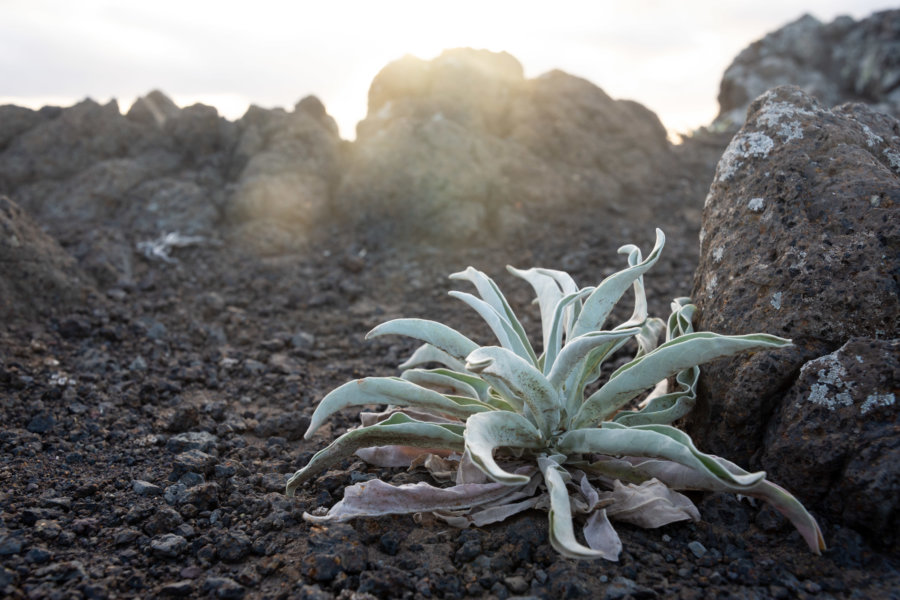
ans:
(718, 253)
(781, 116)
(893, 158)
(859, 359)
(709, 198)
(712, 284)
(875, 401)
(872, 138)
(756, 204)
(776, 300)
(742, 147)
(832, 390)
(790, 131)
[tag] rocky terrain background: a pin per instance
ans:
(177, 292)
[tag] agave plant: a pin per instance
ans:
(514, 430)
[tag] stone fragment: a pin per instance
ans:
(168, 545)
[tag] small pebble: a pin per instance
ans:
(145, 488)
(168, 545)
(697, 548)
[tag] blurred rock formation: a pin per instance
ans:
(837, 62)
(464, 145)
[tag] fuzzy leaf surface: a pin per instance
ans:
(599, 304)
(501, 367)
(681, 353)
(487, 431)
(399, 429)
(562, 531)
(387, 390)
(659, 441)
(460, 383)
(491, 294)
(431, 332)
(681, 477)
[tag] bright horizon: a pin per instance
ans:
(669, 58)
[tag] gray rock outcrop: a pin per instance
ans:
(838, 62)
(465, 145)
(37, 277)
(89, 174)
(801, 238)
(286, 167)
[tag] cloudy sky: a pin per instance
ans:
(667, 55)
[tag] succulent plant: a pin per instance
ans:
(512, 429)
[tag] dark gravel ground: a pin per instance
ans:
(146, 438)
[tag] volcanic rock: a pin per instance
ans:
(842, 61)
(465, 145)
(837, 435)
(800, 238)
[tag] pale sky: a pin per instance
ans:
(668, 55)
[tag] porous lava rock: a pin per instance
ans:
(37, 278)
(800, 238)
(465, 145)
(836, 435)
(837, 62)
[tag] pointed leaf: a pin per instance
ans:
(549, 287)
(376, 498)
(681, 353)
(600, 535)
(387, 390)
(648, 338)
(487, 431)
(658, 441)
(393, 456)
(373, 418)
(599, 304)
(558, 326)
(498, 365)
(491, 294)
(666, 408)
(501, 327)
(397, 430)
(574, 354)
(431, 332)
(462, 384)
(426, 353)
(562, 532)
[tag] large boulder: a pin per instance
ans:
(464, 145)
(837, 62)
(286, 167)
(37, 278)
(801, 238)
